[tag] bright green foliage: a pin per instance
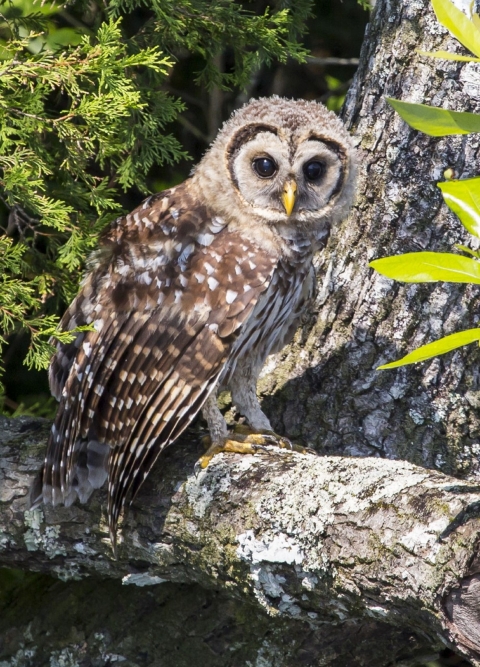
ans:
(466, 30)
(83, 118)
(446, 55)
(435, 121)
(462, 197)
(441, 346)
(19, 299)
(429, 267)
(204, 27)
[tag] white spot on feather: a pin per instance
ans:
(213, 283)
(123, 269)
(217, 224)
(231, 295)
(205, 238)
(145, 278)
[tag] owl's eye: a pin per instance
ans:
(265, 167)
(313, 170)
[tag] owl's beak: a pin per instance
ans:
(289, 195)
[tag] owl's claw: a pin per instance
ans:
(272, 438)
(229, 445)
(245, 441)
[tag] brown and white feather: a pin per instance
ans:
(189, 292)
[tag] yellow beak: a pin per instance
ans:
(289, 195)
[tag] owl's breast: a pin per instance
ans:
(275, 317)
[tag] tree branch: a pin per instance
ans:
(326, 541)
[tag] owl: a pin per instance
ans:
(189, 294)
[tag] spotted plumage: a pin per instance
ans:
(189, 293)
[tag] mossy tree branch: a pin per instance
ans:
(322, 542)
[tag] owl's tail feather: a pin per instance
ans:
(89, 472)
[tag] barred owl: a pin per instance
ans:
(189, 293)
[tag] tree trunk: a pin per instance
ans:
(284, 559)
(324, 389)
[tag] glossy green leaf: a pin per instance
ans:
(435, 121)
(429, 267)
(463, 198)
(446, 55)
(440, 346)
(469, 251)
(461, 27)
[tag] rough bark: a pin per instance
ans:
(289, 560)
(333, 561)
(324, 389)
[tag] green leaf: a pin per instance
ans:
(469, 251)
(440, 346)
(458, 24)
(429, 267)
(463, 198)
(435, 121)
(446, 55)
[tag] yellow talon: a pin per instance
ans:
(244, 441)
(233, 446)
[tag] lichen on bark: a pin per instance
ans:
(316, 549)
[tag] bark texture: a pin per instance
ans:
(287, 560)
(299, 560)
(324, 389)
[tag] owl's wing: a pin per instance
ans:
(167, 306)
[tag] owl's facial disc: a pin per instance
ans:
(285, 178)
(266, 167)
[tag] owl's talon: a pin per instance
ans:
(229, 445)
(240, 443)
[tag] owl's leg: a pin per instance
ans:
(246, 439)
(217, 425)
(244, 395)
(220, 440)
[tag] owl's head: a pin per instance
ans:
(288, 163)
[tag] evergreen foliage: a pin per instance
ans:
(84, 117)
